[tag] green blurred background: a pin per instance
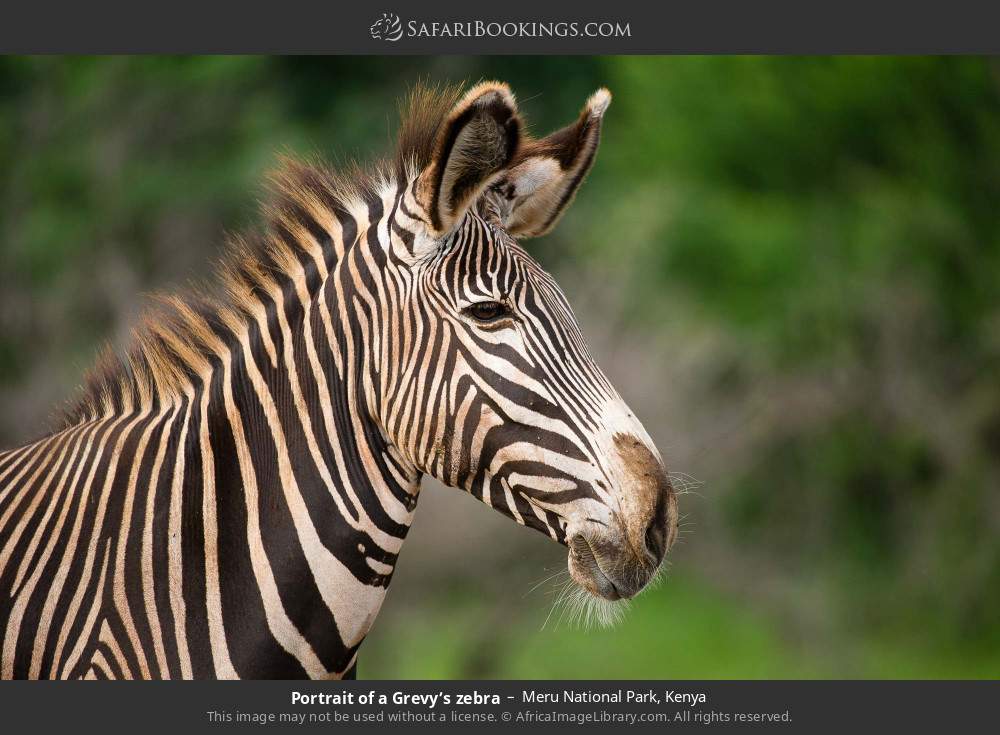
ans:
(788, 266)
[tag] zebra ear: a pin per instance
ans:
(477, 141)
(545, 175)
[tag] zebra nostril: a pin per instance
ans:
(655, 540)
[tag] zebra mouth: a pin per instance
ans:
(586, 570)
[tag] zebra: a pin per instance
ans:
(228, 495)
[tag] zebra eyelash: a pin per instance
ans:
(500, 316)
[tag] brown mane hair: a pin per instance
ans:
(180, 335)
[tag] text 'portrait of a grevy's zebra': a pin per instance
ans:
(229, 496)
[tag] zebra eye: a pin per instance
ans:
(487, 311)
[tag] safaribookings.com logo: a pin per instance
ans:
(387, 28)
(390, 28)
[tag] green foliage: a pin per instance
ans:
(789, 175)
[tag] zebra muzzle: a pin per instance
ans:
(593, 578)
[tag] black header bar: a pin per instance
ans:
(511, 27)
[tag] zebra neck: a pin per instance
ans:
(325, 496)
(244, 523)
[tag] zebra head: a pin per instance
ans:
(485, 380)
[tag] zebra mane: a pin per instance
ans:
(178, 335)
